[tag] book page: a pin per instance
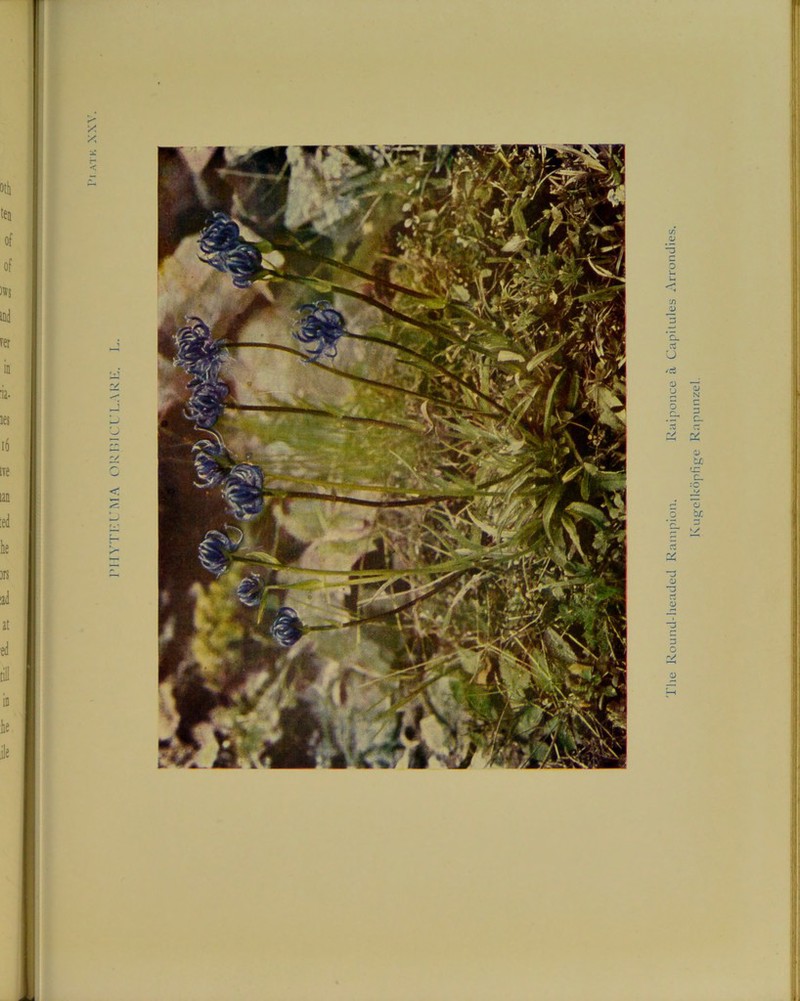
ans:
(16, 324)
(654, 864)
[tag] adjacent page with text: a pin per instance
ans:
(416, 396)
(16, 329)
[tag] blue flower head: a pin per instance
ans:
(287, 628)
(251, 590)
(207, 402)
(216, 549)
(226, 251)
(211, 462)
(320, 325)
(197, 352)
(243, 263)
(220, 234)
(244, 491)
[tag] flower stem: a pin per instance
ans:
(344, 499)
(348, 576)
(312, 255)
(429, 361)
(317, 284)
(426, 297)
(312, 412)
(439, 586)
(369, 487)
(375, 383)
(342, 578)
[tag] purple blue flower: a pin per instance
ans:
(287, 628)
(216, 550)
(321, 326)
(207, 401)
(251, 590)
(212, 461)
(226, 251)
(197, 352)
(244, 491)
(220, 234)
(243, 263)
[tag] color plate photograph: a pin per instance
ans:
(392, 457)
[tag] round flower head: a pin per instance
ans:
(242, 262)
(196, 350)
(244, 491)
(287, 628)
(216, 549)
(219, 235)
(321, 326)
(206, 402)
(211, 462)
(251, 590)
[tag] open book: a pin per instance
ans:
(389, 387)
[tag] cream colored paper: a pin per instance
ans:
(668, 880)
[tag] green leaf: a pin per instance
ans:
(574, 391)
(458, 294)
(572, 532)
(470, 660)
(528, 720)
(549, 509)
(518, 219)
(603, 272)
(516, 243)
(611, 409)
(603, 293)
(610, 481)
(550, 726)
(550, 401)
(539, 752)
(475, 697)
(265, 559)
(565, 740)
(587, 511)
(557, 217)
(542, 356)
(516, 678)
(493, 340)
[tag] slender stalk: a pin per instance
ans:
(429, 361)
(267, 245)
(347, 576)
(375, 383)
(432, 328)
(344, 499)
(506, 476)
(313, 412)
(439, 586)
(460, 307)
(341, 578)
(378, 280)
(249, 704)
(368, 487)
